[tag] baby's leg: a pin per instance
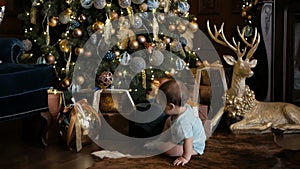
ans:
(174, 150)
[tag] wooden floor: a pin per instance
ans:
(222, 151)
(19, 153)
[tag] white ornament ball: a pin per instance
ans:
(137, 64)
(157, 58)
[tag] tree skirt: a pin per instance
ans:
(223, 150)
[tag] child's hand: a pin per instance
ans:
(180, 160)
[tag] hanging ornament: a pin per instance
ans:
(105, 79)
(172, 27)
(33, 13)
(80, 80)
(248, 31)
(64, 45)
(50, 59)
(141, 38)
(167, 40)
(114, 15)
(183, 7)
(193, 26)
(137, 64)
(41, 60)
(79, 51)
(161, 18)
(98, 26)
(143, 7)
(74, 88)
(124, 3)
(138, 22)
(87, 4)
(65, 83)
(157, 58)
(181, 27)
(27, 44)
(53, 21)
(64, 18)
(180, 64)
(137, 1)
(134, 44)
(153, 4)
(107, 31)
(82, 18)
(69, 11)
(77, 32)
(125, 58)
(99, 4)
(109, 56)
(155, 27)
(74, 24)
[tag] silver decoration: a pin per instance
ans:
(99, 4)
(137, 1)
(124, 3)
(2, 9)
(180, 64)
(87, 4)
(125, 58)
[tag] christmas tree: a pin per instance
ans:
(110, 43)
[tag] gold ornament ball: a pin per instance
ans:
(82, 18)
(79, 51)
(143, 7)
(172, 27)
(50, 59)
(122, 45)
(77, 32)
(98, 26)
(134, 44)
(195, 19)
(114, 15)
(64, 45)
(193, 26)
(69, 11)
(80, 80)
(141, 39)
(249, 17)
(65, 83)
(53, 22)
(181, 28)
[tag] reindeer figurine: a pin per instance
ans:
(240, 103)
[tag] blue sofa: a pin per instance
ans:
(23, 87)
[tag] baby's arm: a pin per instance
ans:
(188, 151)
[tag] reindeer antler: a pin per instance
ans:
(254, 43)
(223, 41)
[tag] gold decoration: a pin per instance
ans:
(53, 21)
(79, 51)
(65, 83)
(114, 15)
(98, 26)
(181, 28)
(33, 13)
(194, 26)
(77, 32)
(69, 11)
(82, 18)
(50, 59)
(80, 80)
(64, 46)
(253, 116)
(134, 44)
(143, 7)
(172, 27)
(141, 39)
